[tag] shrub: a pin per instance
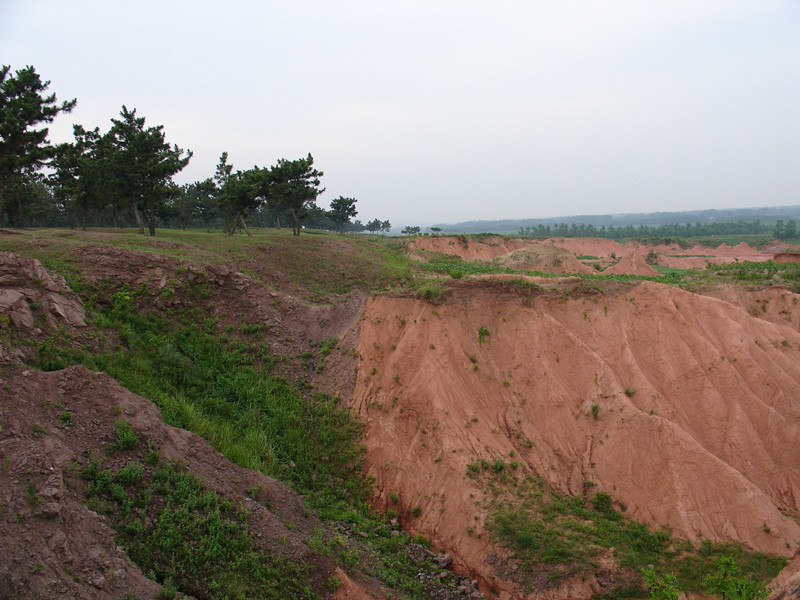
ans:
(457, 273)
(126, 438)
(662, 587)
(603, 503)
(432, 292)
(328, 344)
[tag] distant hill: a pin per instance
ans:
(508, 226)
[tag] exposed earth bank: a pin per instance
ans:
(583, 255)
(681, 406)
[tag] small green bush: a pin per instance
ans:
(432, 292)
(126, 438)
(328, 344)
(457, 273)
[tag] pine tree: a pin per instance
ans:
(23, 108)
(141, 165)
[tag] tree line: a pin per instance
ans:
(780, 230)
(125, 176)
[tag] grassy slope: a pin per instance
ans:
(222, 388)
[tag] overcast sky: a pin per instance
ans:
(443, 111)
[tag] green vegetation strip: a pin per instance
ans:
(185, 536)
(567, 534)
(747, 272)
(458, 270)
(222, 389)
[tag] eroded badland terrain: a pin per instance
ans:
(359, 417)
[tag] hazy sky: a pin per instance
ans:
(448, 110)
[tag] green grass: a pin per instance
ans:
(222, 389)
(674, 273)
(217, 389)
(753, 240)
(432, 291)
(568, 534)
(477, 268)
(188, 538)
(322, 264)
(755, 274)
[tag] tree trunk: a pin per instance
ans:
(138, 218)
(83, 219)
(235, 224)
(151, 224)
(1, 202)
(20, 222)
(244, 225)
(277, 220)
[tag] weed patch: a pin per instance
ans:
(189, 538)
(565, 535)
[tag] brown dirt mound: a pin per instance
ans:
(545, 258)
(34, 302)
(633, 263)
(697, 422)
(56, 546)
(468, 248)
(590, 246)
(559, 255)
(697, 257)
(288, 322)
(786, 585)
(25, 282)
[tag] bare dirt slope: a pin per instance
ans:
(545, 258)
(572, 255)
(468, 248)
(698, 417)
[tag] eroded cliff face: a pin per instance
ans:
(697, 407)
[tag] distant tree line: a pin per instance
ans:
(125, 176)
(675, 230)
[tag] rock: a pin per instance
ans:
(49, 510)
(443, 560)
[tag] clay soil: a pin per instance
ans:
(697, 425)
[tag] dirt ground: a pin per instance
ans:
(573, 255)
